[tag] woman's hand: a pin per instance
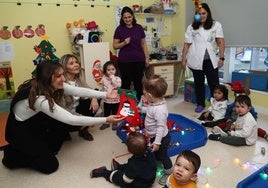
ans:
(94, 105)
(114, 119)
(147, 62)
(127, 40)
(220, 63)
(183, 64)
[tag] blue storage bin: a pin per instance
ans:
(258, 79)
(258, 179)
(185, 134)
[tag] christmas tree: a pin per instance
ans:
(45, 51)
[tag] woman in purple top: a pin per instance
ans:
(129, 38)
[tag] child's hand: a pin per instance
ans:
(229, 120)
(111, 76)
(155, 147)
(206, 114)
(232, 127)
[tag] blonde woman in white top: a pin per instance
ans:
(75, 104)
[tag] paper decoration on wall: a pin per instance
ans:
(45, 51)
(7, 89)
(28, 32)
(40, 30)
(6, 51)
(97, 71)
(17, 32)
(5, 33)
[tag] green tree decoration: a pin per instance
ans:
(45, 51)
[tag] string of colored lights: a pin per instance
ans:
(245, 165)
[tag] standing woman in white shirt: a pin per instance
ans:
(35, 128)
(203, 39)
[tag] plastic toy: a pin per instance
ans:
(197, 17)
(197, 5)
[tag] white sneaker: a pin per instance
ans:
(218, 130)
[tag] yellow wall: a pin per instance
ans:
(258, 98)
(55, 18)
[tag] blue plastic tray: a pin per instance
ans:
(185, 134)
(258, 179)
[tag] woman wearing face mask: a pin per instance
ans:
(203, 39)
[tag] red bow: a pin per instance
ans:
(237, 86)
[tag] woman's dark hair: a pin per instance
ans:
(130, 11)
(209, 21)
(42, 84)
(108, 63)
(223, 89)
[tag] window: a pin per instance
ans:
(243, 58)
